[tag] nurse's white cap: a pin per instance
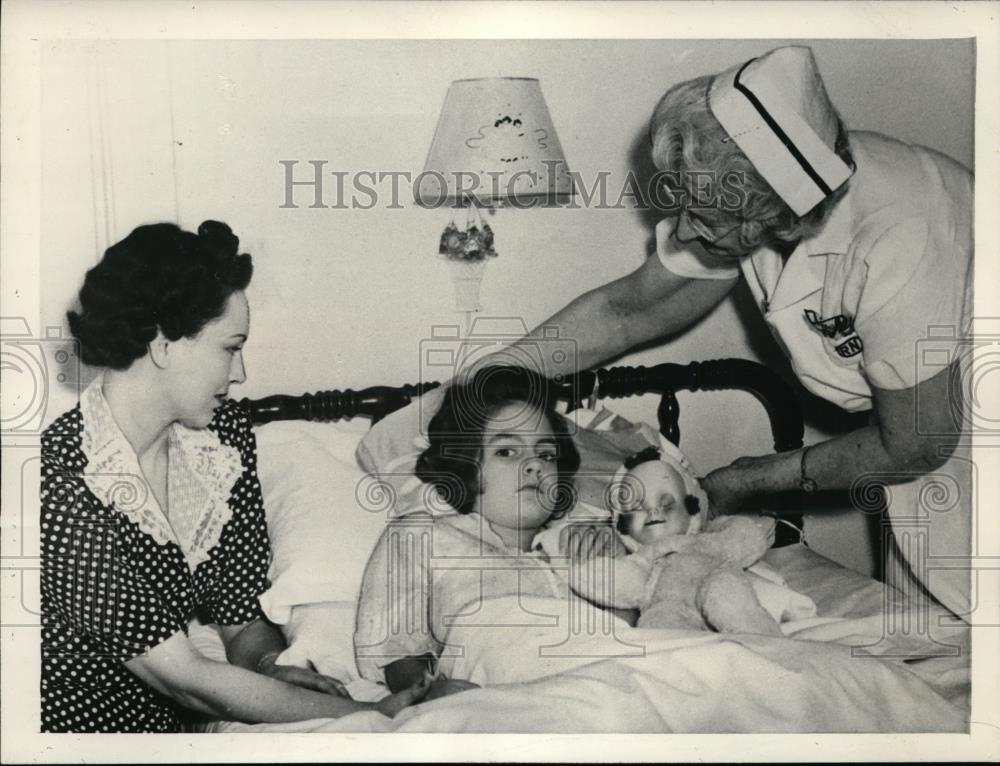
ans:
(776, 110)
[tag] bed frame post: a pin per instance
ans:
(771, 390)
(375, 402)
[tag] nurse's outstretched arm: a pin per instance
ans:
(650, 303)
(914, 432)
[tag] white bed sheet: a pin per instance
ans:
(847, 670)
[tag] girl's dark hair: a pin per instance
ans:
(159, 276)
(452, 461)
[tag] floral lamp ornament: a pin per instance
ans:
(494, 143)
(467, 253)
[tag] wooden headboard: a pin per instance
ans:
(773, 392)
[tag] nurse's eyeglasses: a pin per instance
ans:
(703, 230)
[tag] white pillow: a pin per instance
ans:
(324, 518)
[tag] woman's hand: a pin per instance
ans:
(307, 679)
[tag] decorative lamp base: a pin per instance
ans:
(467, 276)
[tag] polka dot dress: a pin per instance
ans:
(110, 592)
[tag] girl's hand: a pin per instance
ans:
(665, 546)
(307, 679)
(585, 541)
(390, 706)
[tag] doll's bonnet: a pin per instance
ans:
(620, 494)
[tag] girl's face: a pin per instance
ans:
(657, 506)
(204, 366)
(518, 469)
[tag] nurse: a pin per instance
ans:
(858, 251)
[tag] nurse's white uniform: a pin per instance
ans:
(882, 297)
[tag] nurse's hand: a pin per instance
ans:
(728, 489)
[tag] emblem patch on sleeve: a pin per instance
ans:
(837, 328)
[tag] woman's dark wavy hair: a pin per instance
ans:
(159, 276)
(452, 461)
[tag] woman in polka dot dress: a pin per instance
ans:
(151, 507)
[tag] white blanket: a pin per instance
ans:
(607, 677)
(682, 682)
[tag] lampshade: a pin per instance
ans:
(494, 142)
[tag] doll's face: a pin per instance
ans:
(656, 506)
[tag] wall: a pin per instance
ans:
(136, 131)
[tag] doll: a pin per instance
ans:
(685, 572)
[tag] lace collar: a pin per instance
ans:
(200, 477)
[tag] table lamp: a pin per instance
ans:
(494, 146)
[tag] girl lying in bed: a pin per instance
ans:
(500, 456)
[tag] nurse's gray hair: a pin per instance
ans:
(688, 141)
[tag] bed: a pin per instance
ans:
(336, 464)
